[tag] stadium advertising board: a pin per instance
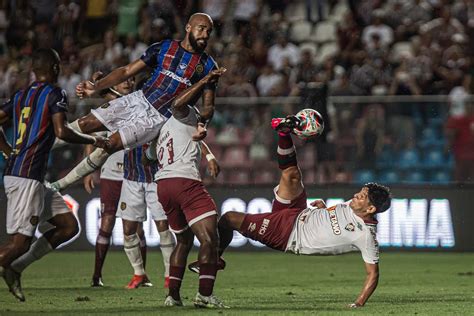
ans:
(435, 218)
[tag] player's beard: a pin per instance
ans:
(195, 45)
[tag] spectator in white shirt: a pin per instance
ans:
(384, 31)
(282, 49)
(268, 80)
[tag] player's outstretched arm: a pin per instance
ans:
(64, 132)
(212, 164)
(88, 88)
(370, 285)
(209, 95)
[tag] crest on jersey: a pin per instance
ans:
(34, 220)
(199, 68)
(105, 105)
(252, 227)
(182, 66)
(123, 206)
(350, 227)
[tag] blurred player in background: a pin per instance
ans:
(138, 194)
(136, 119)
(190, 209)
(292, 226)
(39, 116)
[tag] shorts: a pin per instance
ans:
(185, 201)
(136, 120)
(274, 229)
(109, 196)
(136, 198)
(29, 204)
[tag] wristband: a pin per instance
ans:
(210, 157)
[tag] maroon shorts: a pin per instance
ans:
(185, 202)
(109, 196)
(274, 229)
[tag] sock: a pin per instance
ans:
(131, 245)
(38, 250)
(88, 165)
(143, 249)
(102, 245)
(286, 152)
(167, 244)
(176, 277)
(207, 277)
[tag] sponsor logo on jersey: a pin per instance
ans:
(264, 226)
(123, 206)
(336, 229)
(252, 227)
(199, 68)
(182, 66)
(350, 227)
(174, 76)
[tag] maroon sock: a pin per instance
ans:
(143, 249)
(207, 277)
(286, 152)
(176, 277)
(101, 247)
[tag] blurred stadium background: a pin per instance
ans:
(393, 80)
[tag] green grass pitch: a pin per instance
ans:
(256, 283)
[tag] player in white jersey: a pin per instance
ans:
(317, 230)
(190, 209)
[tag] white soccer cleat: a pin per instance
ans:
(169, 302)
(210, 301)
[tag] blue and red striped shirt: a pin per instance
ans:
(31, 111)
(174, 70)
(133, 168)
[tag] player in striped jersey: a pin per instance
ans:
(137, 195)
(137, 118)
(292, 226)
(39, 116)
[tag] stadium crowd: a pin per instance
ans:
(318, 51)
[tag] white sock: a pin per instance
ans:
(88, 165)
(131, 245)
(38, 250)
(167, 244)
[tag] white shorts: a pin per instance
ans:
(136, 120)
(136, 198)
(30, 203)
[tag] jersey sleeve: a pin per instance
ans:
(369, 247)
(150, 56)
(57, 101)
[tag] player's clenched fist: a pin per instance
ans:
(214, 75)
(85, 89)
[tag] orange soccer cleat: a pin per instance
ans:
(137, 281)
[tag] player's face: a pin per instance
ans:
(360, 201)
(199, 34)
(125, 87)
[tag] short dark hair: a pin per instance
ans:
(379, 196)
(46, 61)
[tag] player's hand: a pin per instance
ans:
(85, 89)
(213, 167)
(200, 133)
(214, 75)
(89, 184)
(97, 75)
(318, 204)
(101, 142)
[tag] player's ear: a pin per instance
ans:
(188, 28)
(371, 209)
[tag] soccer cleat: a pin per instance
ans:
(97, 282)
(284, 126)
(167, 282)
(13, 280)
(194, 266)
(136, 281)
(54, 186)
(169, 301)
(210, 301)
(146, 282)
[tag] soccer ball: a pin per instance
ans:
(311, 124)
